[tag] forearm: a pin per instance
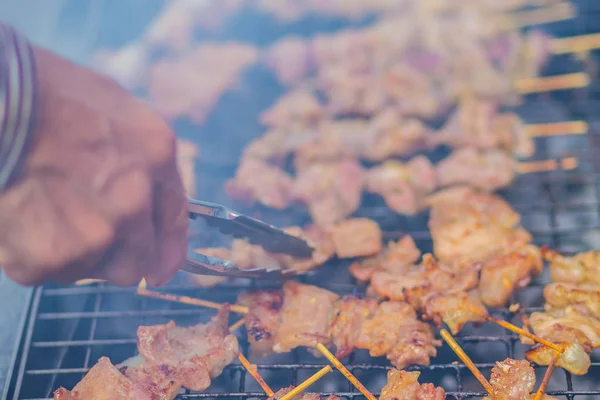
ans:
(18, 102)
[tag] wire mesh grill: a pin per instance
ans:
(68, 329)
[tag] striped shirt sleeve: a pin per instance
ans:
(18, 100)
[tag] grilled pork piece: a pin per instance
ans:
(262, 320)
(104, 381)
(584, 298)
(312, 315)
(356, 237)
(305, 317)
(302, 396)
(581, 268)
(349, 315)
(579, 333)
(477, 124)
(469, 227)
(487, 170)
(298, 108)
(198, 353)
(404, 385)
(513, 380)
(332, 191)
(502, 274)
(395, 255)
(256, 181)
(454, 309)
(213, 69)
(395, 331)
(403, 186)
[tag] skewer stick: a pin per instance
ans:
(85, 282)
(466, 360)
(557, 129)
(565, 164)
(301, 387)
(336, 363)
(575, 44)
(542, 389)
(516, 329)
(251, 368)
(237, 325)
(551, 83)
(142, 291)
(555, 12)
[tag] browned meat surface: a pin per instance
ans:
(356, 237)
(191, 84)
(584, 298)
(332, 191)
(395, 331)
(487, 170)
(581, 268)
(262, 320)
(403, 186)
(454, 309)
(477, 124)
(503, 273)
(468, 226)
(395, 255)
(580, 333)
(305, 317)
(512, 379)
(348, 317)
(246, 255)
(290, 59)
(414, 283)
(198, 353)
(104, 381)
(298, 108)
(404, 385)
(256, 181)
(301, 396)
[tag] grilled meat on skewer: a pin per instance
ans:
(311, 315)
(404, 385)
(171, 357)
(513, 380)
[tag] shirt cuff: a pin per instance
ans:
(18, 102)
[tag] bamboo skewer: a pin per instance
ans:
(543, 15)
(251, 368)
(565, 164)
(85, 282)
(557, 129)
(237, 325)
(466, 360)
(301, 387)
(575, 44)
(336, 363)
(552, 83)
(142, 291)
(542, 389)
(516, 329)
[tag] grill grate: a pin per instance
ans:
(68, 329)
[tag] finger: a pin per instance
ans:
(133, 255)
(171, 224)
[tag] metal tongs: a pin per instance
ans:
(241, 226)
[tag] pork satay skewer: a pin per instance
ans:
(551, 83)
(338, 364)
(251, 368)
(542, 389)
(517, 330)
(304, 385)
(466, 360)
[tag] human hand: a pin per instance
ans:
(99, 195)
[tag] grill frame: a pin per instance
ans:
(551, 205)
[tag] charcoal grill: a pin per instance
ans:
(67, 329)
